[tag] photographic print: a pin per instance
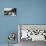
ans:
(10, 11)
(33, 32)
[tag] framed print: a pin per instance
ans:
(10, 11)
(32, 32)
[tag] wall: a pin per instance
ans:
(28, 12)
